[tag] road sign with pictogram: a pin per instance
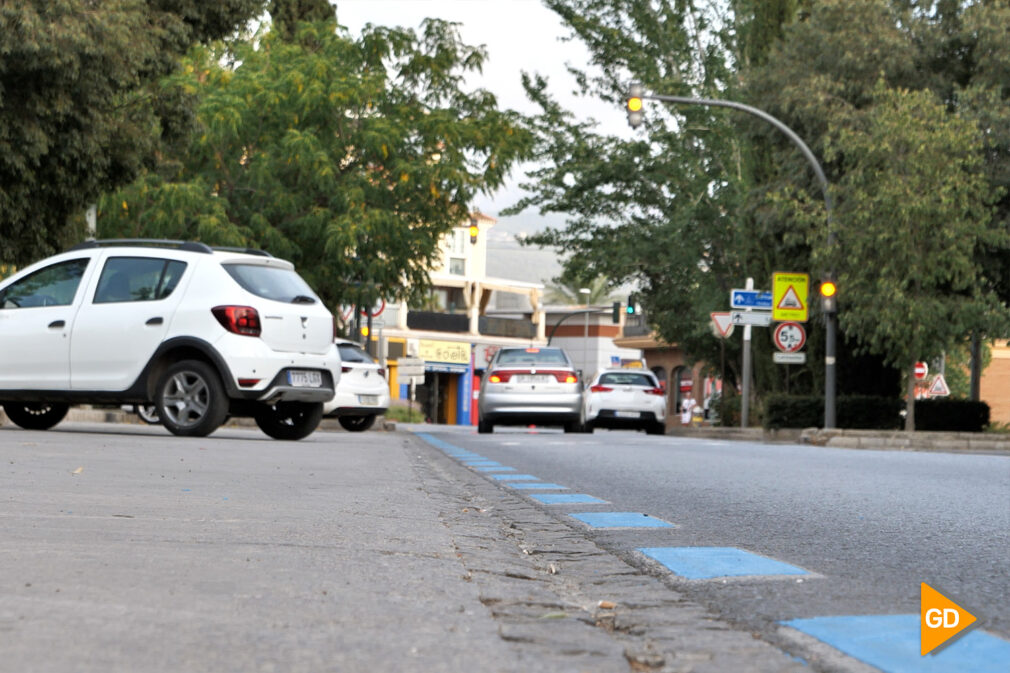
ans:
(789, 296)
(789, 337)
(938, 388)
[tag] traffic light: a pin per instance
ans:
(616, 316)
(630, 308)
(473, 230)
(828, 291)
(634, 105)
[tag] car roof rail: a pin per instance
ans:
(247, 251)
(190, 246)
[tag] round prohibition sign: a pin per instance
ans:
(790, 337)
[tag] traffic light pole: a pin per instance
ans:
(830, 317)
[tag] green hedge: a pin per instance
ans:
(853, 411)
(951, 415)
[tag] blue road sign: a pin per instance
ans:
(750, 299)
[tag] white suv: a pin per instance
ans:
(202, 333)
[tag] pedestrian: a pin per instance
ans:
(686, 409)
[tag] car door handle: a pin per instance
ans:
(56, 324)
(155, 321)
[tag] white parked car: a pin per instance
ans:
(202, 333)
(625, 398)
(362, 393)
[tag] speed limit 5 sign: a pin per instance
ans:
(789, 337)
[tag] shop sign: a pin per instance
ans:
(456, 352)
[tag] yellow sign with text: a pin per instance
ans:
(454, 352)
(940, 619)
(789, 296)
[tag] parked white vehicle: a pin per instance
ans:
(363, 392)
(202, 333)
(625, 398)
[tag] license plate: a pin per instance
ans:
(371, 400)
(531, 378)
(305, 379)
(627, 414)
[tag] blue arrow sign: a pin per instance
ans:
(750, 299)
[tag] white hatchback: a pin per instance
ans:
(363, 392)
(625, 398)
(201, 333)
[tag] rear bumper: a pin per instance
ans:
(525, 408)
(607, 418)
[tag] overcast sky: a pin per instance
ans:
(520, 35)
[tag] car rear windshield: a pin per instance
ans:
(627, 379)
(271, 283)
(352, 353)
(532, 356)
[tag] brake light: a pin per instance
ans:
(567, 378)
(244, 320)
(381, 372)
(600, 389)
(344, 369)
(499, 378)
(656, 391)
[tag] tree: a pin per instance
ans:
(79, 109)
(566, 289)
(349, 157)
(285, 15)
(913, 200)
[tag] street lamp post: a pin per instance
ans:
(585, 291)
(830, 316)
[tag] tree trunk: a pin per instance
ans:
(910, 397)
(976, 366)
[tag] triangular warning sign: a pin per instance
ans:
(938, 388)
(940, 619)
(722, 323)
(791, 300)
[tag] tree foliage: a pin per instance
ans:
(351, 157)
(905, 105)
(80, 111)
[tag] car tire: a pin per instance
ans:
(356, 423)
(483, 427)
(589, 428)
(190, 399)
(36, 415)
(147, 413)
(657, 428)
(289, 420)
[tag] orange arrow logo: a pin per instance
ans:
(940, 619)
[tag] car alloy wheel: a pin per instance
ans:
(191, 399)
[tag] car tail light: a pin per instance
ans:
(500, 377)
(381, 372)
(564, 377)
(344, 369)
(656, 391)
(600, 389)
(247, 383)
(244, 320)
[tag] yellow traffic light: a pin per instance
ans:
(364, 331)
(473, 233)
(635, 114)
(828, 288)
(828, 292)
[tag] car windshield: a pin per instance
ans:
(627, 379)
(532, 356)
(270, 282)
(354, 353)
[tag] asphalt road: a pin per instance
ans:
(869, 526)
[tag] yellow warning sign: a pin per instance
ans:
(789, 296)
(940, 619)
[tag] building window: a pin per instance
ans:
(457, 266)
(458, 244)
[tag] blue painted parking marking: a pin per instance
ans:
(891, 643)
(528, 486)
(621, 520)
(438, 443)
(494, 469)
(482, 463)
(514, 477)
(702, 563)
(567, 499)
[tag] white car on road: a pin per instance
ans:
(625, 398)
(363, 392)
(202, 333)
